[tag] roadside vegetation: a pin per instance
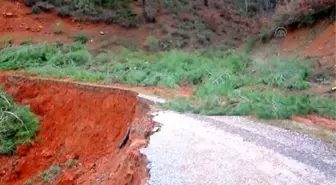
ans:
(226, 83)
(17, 124)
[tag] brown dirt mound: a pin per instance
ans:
(85, 123)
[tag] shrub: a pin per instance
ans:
(58, 27)
(17, 124)
(29, 2)
(64, 11)
(26, 42)
(284, 74)
(81, 37)
(102, 58)
(36, 9)
(50, 174)
(153, 43)
(45, 6)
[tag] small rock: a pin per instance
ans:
(47, 154)
(101, 33)
(9, 14)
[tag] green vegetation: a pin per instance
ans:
(228, 83)
(81, 38)
(51, 174)
(153, 43)
(26, 42)
(58, 27)
(288, 74)
(176, 6)
(111, 11)
(17, 124)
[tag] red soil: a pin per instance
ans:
(318, 42)
(314, 119)
(18, 23)
(82, 122)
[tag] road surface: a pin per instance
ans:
(200, 150)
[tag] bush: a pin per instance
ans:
(153, 43)
(17, 124)
(36, 10)
(29, 2)
(284, 74)
(81, 37)
(26, 42)
(64, 11)
(58, 27)
(45, 6)
(226, 83)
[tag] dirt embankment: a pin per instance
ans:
(78, 123)
(18, 24)
(318, 42)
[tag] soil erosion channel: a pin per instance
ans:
(81, 128)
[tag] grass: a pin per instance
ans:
(17, 124)
(284, 74)
(153, 43)
(81, 37)
(266, 105)
(227, 83)
(51, 174)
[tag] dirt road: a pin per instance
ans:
(199, 150)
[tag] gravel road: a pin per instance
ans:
(201, 150)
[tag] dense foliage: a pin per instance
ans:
(227, 83)
(17, 124)
(108, 11)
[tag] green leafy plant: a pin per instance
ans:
(50, 174)
(17, 124)
(284, 74)
(81, 37)
(226, 83)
